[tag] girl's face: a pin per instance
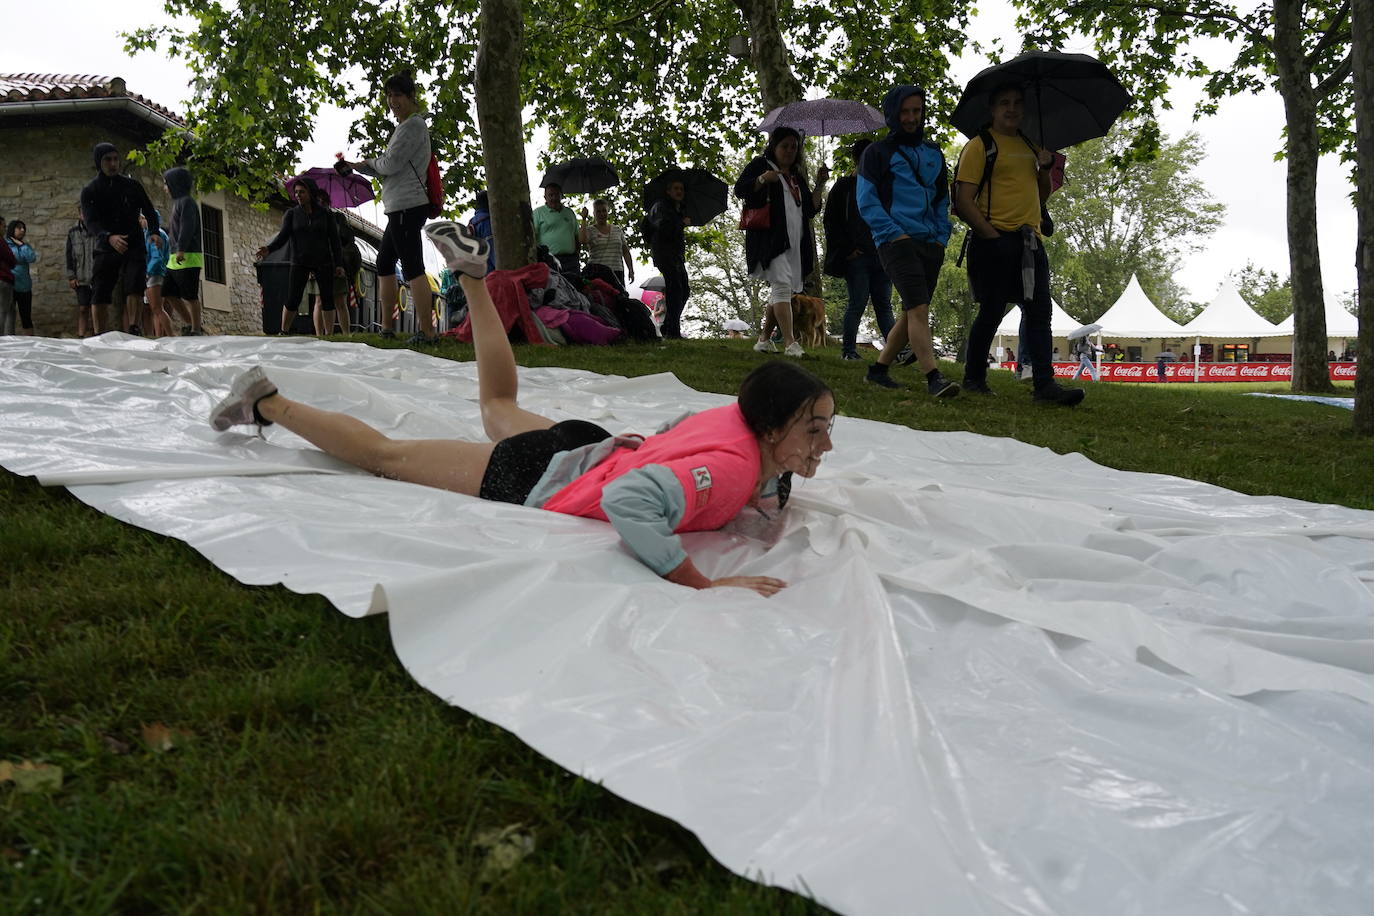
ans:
(399, 104)
(301, 194)
(19, 232)
(786, 152)
(801, 445)
(601, 212)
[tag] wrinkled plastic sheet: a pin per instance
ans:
(1001, 681)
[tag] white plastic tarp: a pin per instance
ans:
(1001, 681)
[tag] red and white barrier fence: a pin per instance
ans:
(1207, 372)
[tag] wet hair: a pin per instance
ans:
(13, 225)
(770, 398)
(1003, 87)
(401, 82)
(778, 135)
(310, 185)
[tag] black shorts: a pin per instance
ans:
(109, 268)
(83, 296)
(913, 267)
(519, 461)
(401, 240)
(183, 283)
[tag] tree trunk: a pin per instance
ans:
(1310, 371)
(500, 49)
(778, 85)
(1362, 42)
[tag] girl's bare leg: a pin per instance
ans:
(448, 464)
(497, 381)
(387, 293)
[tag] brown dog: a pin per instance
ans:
(808, 321)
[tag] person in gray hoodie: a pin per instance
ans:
(181, 288)
(402, 169)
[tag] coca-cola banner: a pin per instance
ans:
(1207, 372)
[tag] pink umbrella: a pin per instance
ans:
(343, 190)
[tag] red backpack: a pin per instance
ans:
(434, 187)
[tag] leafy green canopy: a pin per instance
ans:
(646, 86)
(1114, 219)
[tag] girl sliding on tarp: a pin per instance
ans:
(695, 476)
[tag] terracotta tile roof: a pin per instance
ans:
(43, 87)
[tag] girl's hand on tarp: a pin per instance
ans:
(766, 586)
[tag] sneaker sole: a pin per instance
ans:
(462, 251)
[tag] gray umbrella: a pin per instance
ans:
(825, 118)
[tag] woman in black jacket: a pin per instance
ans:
(782, 253)
(668, 249)
(315, 249)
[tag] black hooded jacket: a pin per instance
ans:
(183, 227)
(761, 246)
(112, 205)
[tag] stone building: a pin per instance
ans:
(49, 124)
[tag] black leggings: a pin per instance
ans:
(24, 303)
(295, 286)
(401, 240)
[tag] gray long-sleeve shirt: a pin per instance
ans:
(403, 166)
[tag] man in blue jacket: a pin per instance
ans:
(903, 192)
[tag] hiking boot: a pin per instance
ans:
(419, 339)
(765, 346)
(978, 388)
(850, 355)
(185, 330)
(1055, 393)
(135, 331)
(794, 349)
(878, 375)
(939, 386)
(460, 247)
(241, 407)
(904, 357)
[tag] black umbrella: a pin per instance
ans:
(1069, 97)
(581, 176)
(707, 196)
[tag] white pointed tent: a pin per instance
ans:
(1134, 315)
(1339, 323)
(1229, 317)
(1341, 330)
(1061, 323)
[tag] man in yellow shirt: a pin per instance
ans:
(1006, 256)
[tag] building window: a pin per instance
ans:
(212, 233)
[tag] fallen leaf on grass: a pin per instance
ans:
(28, 776)
(161, 738)
(114, 745)
(505, 847)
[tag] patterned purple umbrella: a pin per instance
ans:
(343, 190)
(825, 118)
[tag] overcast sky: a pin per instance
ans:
(82, 36)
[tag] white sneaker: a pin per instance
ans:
(244, 394)
(765, 346)
(463, 251)
(1027, 374)
(794, 349)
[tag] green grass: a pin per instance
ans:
(311, 774)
